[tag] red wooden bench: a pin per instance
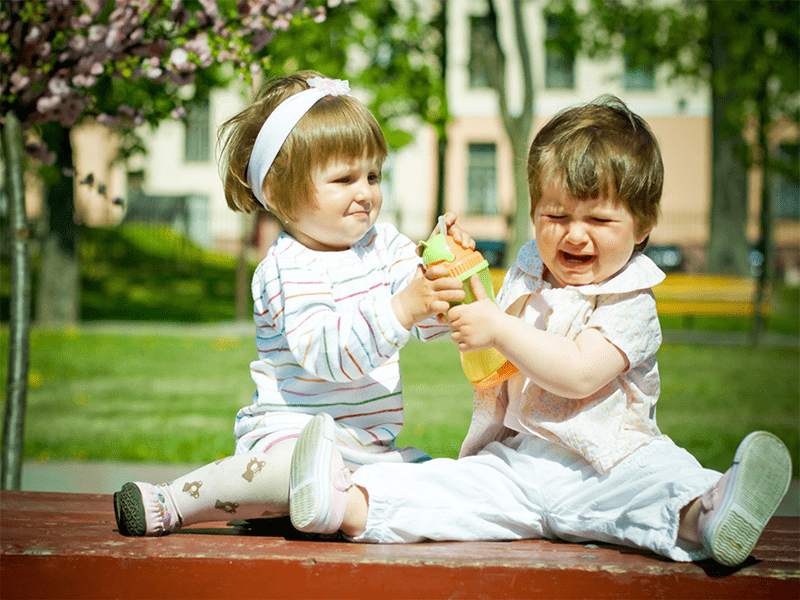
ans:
(66, 546)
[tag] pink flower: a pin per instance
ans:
(96, 33)
(319, 16)
(58, 86)
(81, 22)
(111, 37)
(179, 57)
(210, 7)
(333, 87)
(33, 35)
(19, 81)
(94, 6)
(82, 80)
(152, 68)
(47, 103)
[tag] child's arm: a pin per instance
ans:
(431, 291)
(569, 368)
(338, 344)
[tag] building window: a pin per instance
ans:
(198, 132)
(482, 179)
(479, 38)
(638, 75)
(559, 61)
(785, 192)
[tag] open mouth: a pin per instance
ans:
(577, 259)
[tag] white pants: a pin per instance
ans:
(526, 488)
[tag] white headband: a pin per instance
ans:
(280, 123)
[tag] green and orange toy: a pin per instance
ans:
(484, 368)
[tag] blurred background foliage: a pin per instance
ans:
(140, 272)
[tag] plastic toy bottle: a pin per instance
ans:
(483, 368)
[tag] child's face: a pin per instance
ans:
(583, 241)
(348, 202)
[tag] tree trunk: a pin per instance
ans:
(728, 250)
(767, 272)
(19, 327)
(58, 300)
(521, 226)
(441, 127)
(244, 296)
(518, 128)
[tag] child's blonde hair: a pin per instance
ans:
(334, 127)
(601, 149)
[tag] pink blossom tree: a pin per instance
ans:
(55, 58)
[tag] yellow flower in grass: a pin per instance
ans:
(225, 343)
(35, 378)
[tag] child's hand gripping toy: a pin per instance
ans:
(484, 368)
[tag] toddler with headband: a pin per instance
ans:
(335, 299)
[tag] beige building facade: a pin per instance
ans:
(180, 167)
(678, 114)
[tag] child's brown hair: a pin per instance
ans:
(600, 149)
(336, 126)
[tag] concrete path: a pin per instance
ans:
(81, 477)
(106, 478)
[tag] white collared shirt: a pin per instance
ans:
(610, 424)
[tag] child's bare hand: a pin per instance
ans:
(474, 326)
(453, 229)
(433, 272)
(426, 296)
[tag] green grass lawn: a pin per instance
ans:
(138, 272)
(173, 399)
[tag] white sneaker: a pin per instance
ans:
(319, 479)
(736, 510)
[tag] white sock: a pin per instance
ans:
(244, 486)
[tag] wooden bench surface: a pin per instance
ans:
(66, 546)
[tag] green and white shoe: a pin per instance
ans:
(736, 510)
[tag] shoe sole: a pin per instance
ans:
(309, 501)
(129, 511)
(761, 476)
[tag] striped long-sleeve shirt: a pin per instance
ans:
(328, 340)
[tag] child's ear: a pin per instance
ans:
(643, 234)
